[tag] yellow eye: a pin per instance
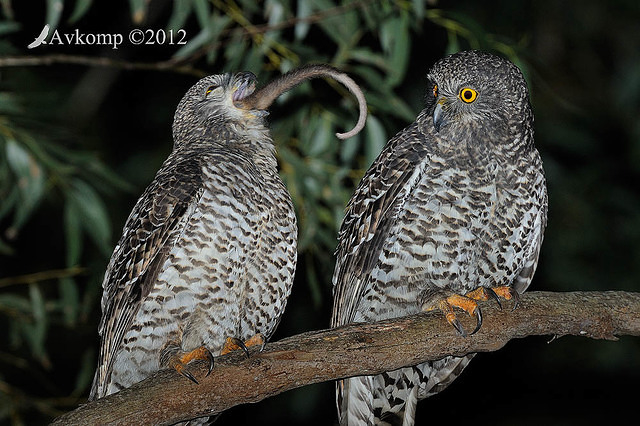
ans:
(435, 90)
(211, 89)
(468, 95)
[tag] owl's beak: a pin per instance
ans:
(246, 86)
(439, 118)
(242, 98)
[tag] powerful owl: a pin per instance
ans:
(452, 211)
(207, 256)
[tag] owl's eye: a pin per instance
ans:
(211, 89)
(468, 95)
(435, 90)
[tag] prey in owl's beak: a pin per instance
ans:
(256, 103)
(245, 83)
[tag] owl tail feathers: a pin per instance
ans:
(402, 413)
(354, 398)
(94, 393)
(359, 405)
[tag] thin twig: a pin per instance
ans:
(42, 276)
(58, 58)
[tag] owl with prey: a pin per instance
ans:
(207, 256)
(452, 211)
(206, 260)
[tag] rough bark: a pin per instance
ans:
(318, 356)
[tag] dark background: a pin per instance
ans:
(89, 139)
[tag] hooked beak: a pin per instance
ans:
(439, 118)
(246, 85)
(242, 98)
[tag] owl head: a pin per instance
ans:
(473, 91)
(213, 104)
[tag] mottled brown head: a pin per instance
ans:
(221, 103)
(212, 105)
(473, 91)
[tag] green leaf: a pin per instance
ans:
(395, 40)
(249, 7)
(375, 140)
(368, 56)
(80, 9)
(338, 27)
(7, 27)
(302, 11)
(203, 14)
(73, 233)
(235, 52)
(274, 11)
(390, 104)
(9, 103)
(54, 12)
(349, 148)
(253, 60)
(322, 137)
(138, 10)
(14, 303)
(179, 14)
(92, 214)
(312, 187)
(208, 34)
(69, 300)
(35, 332)
(418, 8)
(29, 180)
(453, 45)
(37, 304)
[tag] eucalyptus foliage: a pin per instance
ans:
(80, 139)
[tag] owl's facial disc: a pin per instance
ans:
(454, 107)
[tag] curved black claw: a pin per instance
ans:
(516, 299)
(189, 376)
(478, 314)
(456, 324)
(494, 296)
(211, 361)
(241, 345)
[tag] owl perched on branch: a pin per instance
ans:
(206, 260)
(452, 211)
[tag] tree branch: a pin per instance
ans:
(362, 349)
(171, 65)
